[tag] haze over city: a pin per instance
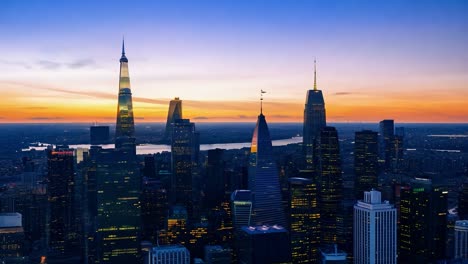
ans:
(398, 59)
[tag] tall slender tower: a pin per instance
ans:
(174, 113)
(331, 185)
(264, 178)
(125, 125)
(366, 164)
(314, 121)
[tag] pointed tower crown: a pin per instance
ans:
(123, 58)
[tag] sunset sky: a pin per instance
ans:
(403, 60)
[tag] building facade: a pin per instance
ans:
(375, 230)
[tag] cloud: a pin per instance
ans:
(77, 64)
(45, 118)
(16, 63)
(49, 65)
(281, 116)
(342, 93)
(139, 117)
(201, 117)
(81, 63)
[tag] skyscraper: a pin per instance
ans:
(264, 178)
(99, 135)
(241, 203)
(304, 228)
(463, 202)
(461, 240)
(375, 230)
(314, 121)
(169, 254)
(386, 134)
(125, 124)
(331, 185)
(174, 113)
(184, 154)
(264, 244)
(214, 180)
(423, 223)
(118, 208)
(61, 181)
(366, 157)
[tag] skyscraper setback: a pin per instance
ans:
(125, 124)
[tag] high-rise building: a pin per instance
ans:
(217, 255)
(366, 158)
(331, 185)
(99, 135)
(12, 239)
(463, 202)
(386, 134)
(264, 244)
(169, 254)
(423, 222)
(375, 230)
(241, 203)
(184, 153)
(314, 122)
(214, 180)
(174, 113)
(125, 124)
(154, 208)
(61, 182)
(118, 208)
(264, 178)
(304, 228)
(461, 240)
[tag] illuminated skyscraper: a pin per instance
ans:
(366, 157)
(185, 149)
(304, 228)
(61, 181)
(331, 185)
(375, 230)
(461, 240)
(314, 121)
(118, 208)
(423, 222)
(264, 178)
(174, 113)
(125, 124)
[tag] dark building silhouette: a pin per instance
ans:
(215, 185)
(154, 209)
(423, 223)
(185, 149)
(149, 170)
(264, 179)
(264, 244)
(331, 185)
(118, 209)
(366, 164)
(99, 135)
(174, 113)
(314, 121)
(386, 134)
(12, 239)
(463, 202)
(304, 228)
(61, 181)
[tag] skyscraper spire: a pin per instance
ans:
(261, 101)
(315, 74)
(123, 46)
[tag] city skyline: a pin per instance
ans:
(217, 56)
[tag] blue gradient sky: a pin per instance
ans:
(375, 58)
